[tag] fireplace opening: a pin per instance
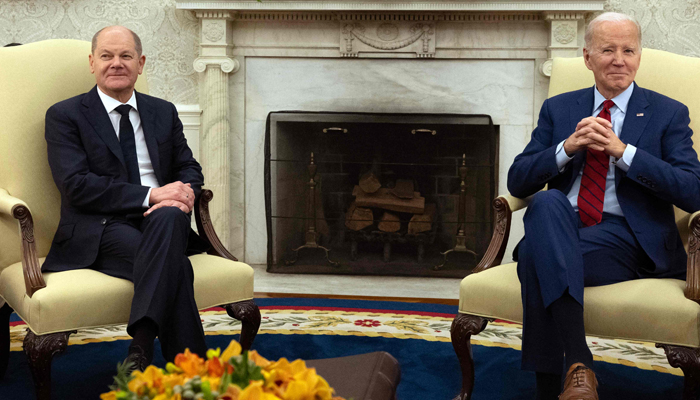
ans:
(379, 194)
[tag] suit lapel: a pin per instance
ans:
(95, 112)
(582, 109)
(636, 118)
(148, 123)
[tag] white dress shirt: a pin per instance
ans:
(617, 118)
(148, 176)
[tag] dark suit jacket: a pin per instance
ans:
(665, 170)
(89, 170)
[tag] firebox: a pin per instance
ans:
(379, 194)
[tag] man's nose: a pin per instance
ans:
(618, 58)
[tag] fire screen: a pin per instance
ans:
(379, 194)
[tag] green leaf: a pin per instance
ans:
(244, 370)
(121, 381)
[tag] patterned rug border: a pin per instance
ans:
(391, 324)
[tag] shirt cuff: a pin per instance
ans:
(148, 197)
(561, 157)
(625, 162)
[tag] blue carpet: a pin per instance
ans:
(430, 370)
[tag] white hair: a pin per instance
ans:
(610, 17)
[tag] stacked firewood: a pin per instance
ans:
(388, 205)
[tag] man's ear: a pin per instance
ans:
(142, 62)
(92, 66)
(587, 58)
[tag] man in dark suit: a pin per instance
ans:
(608, 214)
(128, 183)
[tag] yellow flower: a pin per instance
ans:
(255, 391)
(142, 382)
(233, 349)
(109, 396)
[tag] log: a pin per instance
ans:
(403, 189)
(385, 200)
(357, 218)
(389, 222)
(422, 222)
(369, 182)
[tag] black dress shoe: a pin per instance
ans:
(138, 358)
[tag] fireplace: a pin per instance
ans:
(409, 56)
(379, 194)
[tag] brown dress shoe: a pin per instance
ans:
(580, 384)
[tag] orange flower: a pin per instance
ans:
(215, 367)
(259, 360)
(191, 364)
(146, 381)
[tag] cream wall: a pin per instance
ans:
(171, 37)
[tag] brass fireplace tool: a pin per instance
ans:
(311, 232)
(460, 239)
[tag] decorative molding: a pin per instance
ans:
(550, 16)
(387, 37)
(434, 5)
(564, 33)
(546, 68)
(227, 64)
(418, 16)
(214, 14)
(213, 32)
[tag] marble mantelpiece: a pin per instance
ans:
(382, 56)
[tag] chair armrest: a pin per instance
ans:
(503, 205)
(692, 280)
(206, 228)
(33, 280)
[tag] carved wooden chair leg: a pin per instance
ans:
(40, 351)
(249, 314)
(688, 360)
(463, 327)
(5, 313)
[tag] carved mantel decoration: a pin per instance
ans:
(237, 36)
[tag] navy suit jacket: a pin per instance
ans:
(89, 170)
(665, 170)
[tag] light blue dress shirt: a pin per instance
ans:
(617, 118)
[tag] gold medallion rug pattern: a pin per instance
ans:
(378, 323)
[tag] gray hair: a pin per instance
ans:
(610, 17)
(137, 39)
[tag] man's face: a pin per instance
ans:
(115, 63)
(614, 56)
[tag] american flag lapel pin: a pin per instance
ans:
(640, 114)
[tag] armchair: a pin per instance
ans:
(661, 311)
(54, 305)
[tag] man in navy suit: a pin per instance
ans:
(128, 183)
(616, 158)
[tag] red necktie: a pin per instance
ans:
(592, 191)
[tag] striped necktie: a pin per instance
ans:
(592, 191)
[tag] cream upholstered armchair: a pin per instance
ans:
(54, 305)
(662, 311)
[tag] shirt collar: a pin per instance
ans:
(621, 100)
(111, 103)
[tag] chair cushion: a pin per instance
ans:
(650, 310)
(85, 298)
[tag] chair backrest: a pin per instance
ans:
(33, 77)
(670, 74)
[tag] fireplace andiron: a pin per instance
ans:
(311, 232)
(460, 239)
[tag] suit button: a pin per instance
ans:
(104, 221)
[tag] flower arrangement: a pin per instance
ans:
(231, 375)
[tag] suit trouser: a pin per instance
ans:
(150, 252)
(558, 255)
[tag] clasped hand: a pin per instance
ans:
(594, 133)
(176, 194)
